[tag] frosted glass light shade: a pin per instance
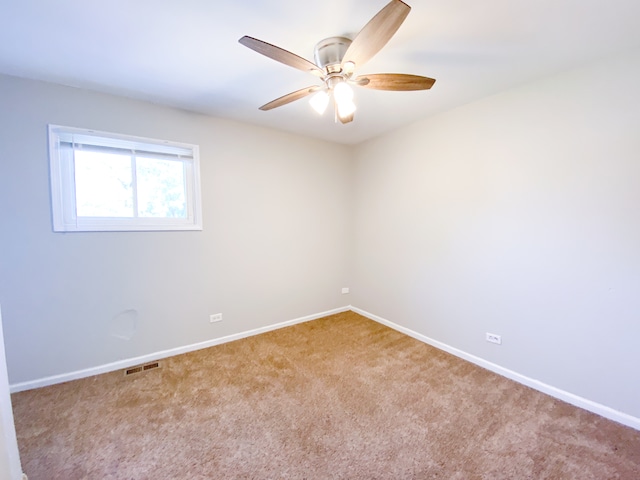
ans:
(346, 108)
(319, 101)
(343, 93)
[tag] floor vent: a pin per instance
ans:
(141, 368)
(149, 366)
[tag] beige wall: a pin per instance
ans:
(516, 215)
(273, 248)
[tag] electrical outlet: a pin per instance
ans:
(493, 338)
(217, 317)
(345, 290)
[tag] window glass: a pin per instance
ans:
(103, 184)
(161, 188)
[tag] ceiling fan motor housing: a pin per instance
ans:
(330, 51)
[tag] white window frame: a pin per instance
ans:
(63, 193)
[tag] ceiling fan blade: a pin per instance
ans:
(375, 34)
(281, 55)
(394, 81)
(290, 97)
(347, 119)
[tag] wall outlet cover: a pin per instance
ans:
(493, 338)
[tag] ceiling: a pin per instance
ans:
(186, 53)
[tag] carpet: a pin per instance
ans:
(340, 397)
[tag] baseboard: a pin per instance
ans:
(568, 397)
(130, 362)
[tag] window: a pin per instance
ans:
(104, 181)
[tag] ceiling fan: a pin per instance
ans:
(336, 59)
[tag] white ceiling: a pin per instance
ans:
(186, 53)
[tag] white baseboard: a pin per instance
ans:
(130, 362)
(568, 397)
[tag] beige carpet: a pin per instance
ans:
(337, 398)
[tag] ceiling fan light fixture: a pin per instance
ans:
(319, 101)
(343, 93)
(343, 96)
(336, 59)
(345, 109)
(348, 68)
